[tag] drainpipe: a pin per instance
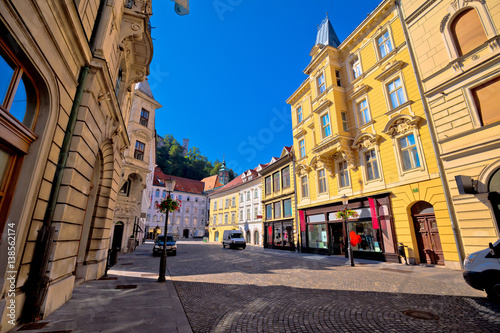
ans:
(297, 222)
(444, 180)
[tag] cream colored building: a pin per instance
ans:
(70, 67)
(456, 49)
(138, 166)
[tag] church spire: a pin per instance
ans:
(326, 34)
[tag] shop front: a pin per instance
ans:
(325, 233)
(279, 235)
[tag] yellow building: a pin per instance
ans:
(278, 201)
(456, 50)
(359, 130)
(237, 206)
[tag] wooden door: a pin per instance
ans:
(429, 242)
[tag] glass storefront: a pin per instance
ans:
(279, 235)
(317, 236)
(370, 241)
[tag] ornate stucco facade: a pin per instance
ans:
(78, 62)
(359, 130)
(456, 49)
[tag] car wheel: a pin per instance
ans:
(244, 247)
(493, 292)
(223, 245)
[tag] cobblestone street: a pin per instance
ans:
(260, 290)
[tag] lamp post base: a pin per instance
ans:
(163, 266)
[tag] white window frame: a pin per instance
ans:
(390, 80)
(319, 182)
(306, 186)
(301, 117)
(345, 123)
(359, 119)
(347, 174)
(355, 67)
(302, 146)
(414, 172)
(375, 181)
(320, 85)
(322, 127)
(390, 39)
(338, 78)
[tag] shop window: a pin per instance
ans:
(371, 165)
(409, 152)
(316, 236)
(487, 99)
(287, 208)
(144, 118)
(325, 126)
(384, 44)
(467, 31)
(139, 150)
(302, 148)
(343, 174)
(299, 114)
(277, 210)
(322, 184)
(363, 112)
(304, 186)
(285, 177)
(276, 181)
(320, 83)
(268, 185)
(396, 93)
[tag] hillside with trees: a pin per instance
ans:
(170, 158)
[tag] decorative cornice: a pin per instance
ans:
(443, 22)
(359, 90)
(300, 133)
(323, 106)
(419, 11)
(401, 124)
(365, 140)
(390, 69)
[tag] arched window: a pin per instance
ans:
(494, 183)
(157, 193)
(256, 237)
(467, 31)
(164, 194)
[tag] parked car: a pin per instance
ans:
(482, 270)
(171, 246)
(233, 238)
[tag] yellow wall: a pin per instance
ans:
(220, 226)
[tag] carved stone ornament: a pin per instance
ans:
(401, 125)
(390, 69)
(443, 22)
(364, 141)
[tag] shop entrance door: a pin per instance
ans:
(427, 233)
(337, 238)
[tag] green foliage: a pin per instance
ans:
(193, 166)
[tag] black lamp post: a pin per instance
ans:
(170, 185)
(345, 201)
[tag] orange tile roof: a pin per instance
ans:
(181, 184)
(211, 182)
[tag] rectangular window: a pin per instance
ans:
(409, 152)
(337, 76)
(277, 210)
(256, 194)
(320, 81)
(255, 213)
(371, 165)
(384, 44)
(241, 214)
(356, 68)
(225, 218)
(214, 220)
(233, 202)
(248, 195)
(343, 174)
(363, 112)
(325, 125)
(276, 181)
(139, 150)
(487, 100)
(269, 212)
(285, 177)
(248, 214)
(322, 181)
(299, 114)
(233, 217)
(144, 118)
(187, 209)
(396, 93)
(268, 185)
(302, 148)
(345, 126)
(305, 187)
(241, 197)
(287, 208)
(215, 205)
(227, 202)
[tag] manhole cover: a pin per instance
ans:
(126, 286)
(34, 326)
(104, 278)
(420, 315)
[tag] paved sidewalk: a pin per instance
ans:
(129, 300)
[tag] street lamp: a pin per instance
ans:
(345, 201)
(170, 185)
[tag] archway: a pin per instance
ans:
(185, 233)
(256, 237)
(118, 236)
(427, 233)
(216, 236)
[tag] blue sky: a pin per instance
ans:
(223, 72)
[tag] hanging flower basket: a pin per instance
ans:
(346, 214)
(169, 205)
